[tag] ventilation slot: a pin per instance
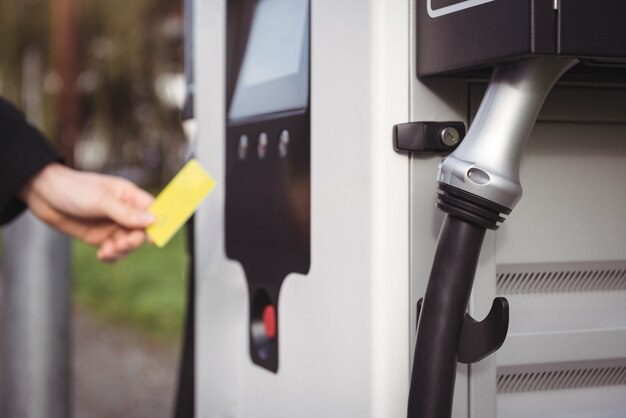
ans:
(550, 278)
(563, 379)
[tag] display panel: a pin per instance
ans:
(274, 72)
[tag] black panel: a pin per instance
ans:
(268, 215)
(438, 4)
(501, 31)
(267, 201)
(593, 28)
(472, 37)
(543, 27)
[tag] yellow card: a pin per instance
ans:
(178, 201)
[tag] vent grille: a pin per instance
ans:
(563, 379)
(551, 278)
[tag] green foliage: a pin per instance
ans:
(123, 47)
(23, 24)
(146, 291)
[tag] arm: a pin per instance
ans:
(24, 151)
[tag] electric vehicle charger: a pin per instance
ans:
(325, 324)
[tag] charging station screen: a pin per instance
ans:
(274, 74)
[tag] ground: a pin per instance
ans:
(118, 373)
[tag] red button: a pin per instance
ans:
(269, 321)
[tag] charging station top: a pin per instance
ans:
(457, 36)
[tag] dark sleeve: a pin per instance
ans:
(24, 151)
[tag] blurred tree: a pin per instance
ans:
(128, 45)
(124, 49)
(24, 26)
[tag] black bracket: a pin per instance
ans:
(427, 136)
(479, 339)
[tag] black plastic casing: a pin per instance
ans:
(267, 216)
(501, 31)
(267, 209)
(424, 136)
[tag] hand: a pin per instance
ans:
(105, 211)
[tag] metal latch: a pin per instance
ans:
(427, 136)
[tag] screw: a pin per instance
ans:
(450, 136)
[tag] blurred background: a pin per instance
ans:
(104, 80)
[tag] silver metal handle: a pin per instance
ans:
(487, 162)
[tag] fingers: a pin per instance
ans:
(120, 244)
(135, 196)
(94, 233)
(126, 241)
(106, 252)
(127, 206)
(114, 242)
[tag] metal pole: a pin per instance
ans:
(35, 375)
(35, 321)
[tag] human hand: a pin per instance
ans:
(105, 211)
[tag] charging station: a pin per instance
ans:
(325, 124)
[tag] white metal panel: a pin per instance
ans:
(524, 350)
(390, 205)
(221, 307)
(344, 341)
(574, 200)
(600, 402)
(570, 219)
(566, 245)
(435, 100)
